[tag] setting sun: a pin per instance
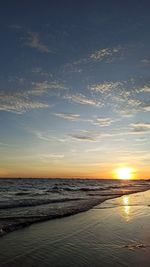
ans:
(124, 173)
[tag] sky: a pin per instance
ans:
(74, 88)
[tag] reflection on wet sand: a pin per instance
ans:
(126, 208)
(115, 233)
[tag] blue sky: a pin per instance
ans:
(74, 88)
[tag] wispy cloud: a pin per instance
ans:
(105, 87)
(104, 54)
(146, 106)
(82, 137)
(82, 99)
(103, 122)
(33, 40)
(145, 61)
(19, 103)
(43, 87)
(116, 95)
(3, 144)
(48, 136)
(140, 127)
(51, 156)
(85, 135)
(68, 116)
(126, 105)
(90, 136)
(145, 89)
(24, 100)
(122, 96)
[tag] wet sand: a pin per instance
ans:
(114, 233)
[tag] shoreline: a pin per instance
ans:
(20, 223)
(99, 237)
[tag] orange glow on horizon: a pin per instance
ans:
(107, 171)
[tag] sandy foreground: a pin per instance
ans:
(114, 233)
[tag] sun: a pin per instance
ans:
(124, 173)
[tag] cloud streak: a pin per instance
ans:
(89, 136)
(103, 122)
(122, 96)
(105, 87)
(140, 127)
(68, 116)
(82, 99)
(52, 156)
(33, 40)
(82, 137)
(104, 54)
(19, 103)
(40, 88)
(24, 100)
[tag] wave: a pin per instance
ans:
(60, 188)
(29, 201)
(22, 193)
(34, 202)
(12, 223)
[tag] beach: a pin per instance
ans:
(114, 233)
(27, 201)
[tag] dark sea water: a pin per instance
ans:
(25, 201)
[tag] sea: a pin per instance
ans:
(24, 201)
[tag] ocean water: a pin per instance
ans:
(26, 201)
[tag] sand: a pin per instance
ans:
(114, 233)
